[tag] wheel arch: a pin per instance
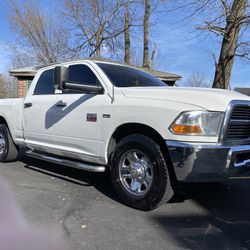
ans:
(3, 121)
(139, 128)
(11, 149)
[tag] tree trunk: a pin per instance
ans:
(127, 36)
(152, 56)
(146, 63)
(98, 41)
(229, 45)
(2, 92)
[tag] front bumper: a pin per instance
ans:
(196, 162)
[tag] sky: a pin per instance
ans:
(180, 49)
(3, 33)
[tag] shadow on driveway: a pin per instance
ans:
(222, 220)
(202, 216)
(100, 181)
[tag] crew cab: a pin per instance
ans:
(101, 116)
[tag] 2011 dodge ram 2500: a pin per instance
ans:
(96, 115)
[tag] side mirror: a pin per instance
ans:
(87, 89)
(61, 82)
(61, 75)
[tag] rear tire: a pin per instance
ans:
(8, 150)
(139, 173)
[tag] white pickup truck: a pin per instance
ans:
(98, 116)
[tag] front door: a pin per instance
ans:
(67, 123)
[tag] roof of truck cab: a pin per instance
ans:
(31, 71)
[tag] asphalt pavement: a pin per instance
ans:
(83, 209)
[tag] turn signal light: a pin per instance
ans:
(186, 129)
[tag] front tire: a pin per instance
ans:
(139, 173)
(8, 150)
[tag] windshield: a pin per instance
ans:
(122, 76)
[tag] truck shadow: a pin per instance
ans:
(200, 216)
(218, 216)
(99, 181)
(54, 114)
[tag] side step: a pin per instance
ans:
(68, 163)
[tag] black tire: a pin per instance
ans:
(8, 150)
(159, 191)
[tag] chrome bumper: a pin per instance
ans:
(196, 162)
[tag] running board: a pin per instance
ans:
(68, 163)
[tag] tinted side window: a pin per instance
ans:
(82, 74)
(44, 85)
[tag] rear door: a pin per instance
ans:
(36, 105)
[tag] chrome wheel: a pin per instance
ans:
(2, 144)
(136, 172)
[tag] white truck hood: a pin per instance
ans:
(210, 99)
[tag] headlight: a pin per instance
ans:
(201, 123)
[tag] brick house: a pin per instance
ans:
(25, 76)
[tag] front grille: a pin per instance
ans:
(238, 130)
(241, 112)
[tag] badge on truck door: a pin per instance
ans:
(91, 117)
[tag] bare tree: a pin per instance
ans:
(152, 58)
(39, 36)
(146, 60)
(228, 19)
(127, 25)
(133, 30)
(21, 56)
(235, 16)
(8, 87)
(197, 79)
(96, 23)
(2, 90)
(150, 51)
